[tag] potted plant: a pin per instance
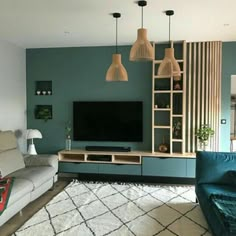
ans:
(203, 134)
(43, 112)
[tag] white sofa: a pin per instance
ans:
(34, 175)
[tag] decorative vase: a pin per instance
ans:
(68, 143)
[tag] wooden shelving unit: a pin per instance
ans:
(132, 158)
(168, 106)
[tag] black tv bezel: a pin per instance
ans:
(75, 137)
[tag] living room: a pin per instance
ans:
(76, 71)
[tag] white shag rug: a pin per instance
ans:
(112, 209)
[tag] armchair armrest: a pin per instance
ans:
(42, 160)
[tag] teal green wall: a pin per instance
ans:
(228, 69)
(78, 74)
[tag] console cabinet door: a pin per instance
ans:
(78, 167)
(191, 168)
(168, 167)
(120, 169)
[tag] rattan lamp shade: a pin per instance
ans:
(116, 71)
(169, 66)
(142, 49)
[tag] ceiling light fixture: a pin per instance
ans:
(169, 66)
(142, 49)
(116, 71)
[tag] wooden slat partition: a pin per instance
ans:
(203, 91)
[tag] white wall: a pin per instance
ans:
(13, 90)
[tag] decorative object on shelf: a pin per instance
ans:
(155, 106)
(142, 49)
(43, 112)
(169, 66)
(163, 147)
(203, 134)
(177, 85)
(31, 134)
(68, 135)
(43, 87)
(116, 71)
(177, 130)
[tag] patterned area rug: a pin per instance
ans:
(88, 209)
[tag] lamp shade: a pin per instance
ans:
(33, 133)
(142, 49)
(169, 66)
(116, 71)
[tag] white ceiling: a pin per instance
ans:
(69, 23)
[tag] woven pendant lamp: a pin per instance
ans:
(169, 66)
(116, 71)
(142, 49)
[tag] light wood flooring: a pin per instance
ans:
(19, 219)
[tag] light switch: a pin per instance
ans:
(223, 121)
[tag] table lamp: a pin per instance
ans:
(31, 134)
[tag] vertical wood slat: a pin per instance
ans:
(198, 84)
(184, 96)
(153, 100)
(207, 86)
(194, 94)
(203, 84)
(204, 90)
(189, 60)
(219, 101)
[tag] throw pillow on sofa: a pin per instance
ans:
(11, 158)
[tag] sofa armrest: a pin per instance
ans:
(42, 160)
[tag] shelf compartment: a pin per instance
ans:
(71, 157)
(162, 100)
(99, 158)
(128, 159)
(162, 118)
(177, 103)
(43, 88)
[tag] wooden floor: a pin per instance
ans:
(19, 219)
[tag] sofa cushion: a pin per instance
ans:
(7, 141)
(212, 167)
(11, 158)
(19, 189)
(37, 175)
(10, 161)
(232, 176)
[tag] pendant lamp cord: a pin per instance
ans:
(169, 30)
(142, 18)
(116, 35)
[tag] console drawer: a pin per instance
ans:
(120, 169)
(78, 167)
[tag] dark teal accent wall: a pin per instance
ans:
(228, 69)
(78, 74)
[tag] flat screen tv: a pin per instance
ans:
(108, 121)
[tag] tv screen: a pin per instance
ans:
(108, 121)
